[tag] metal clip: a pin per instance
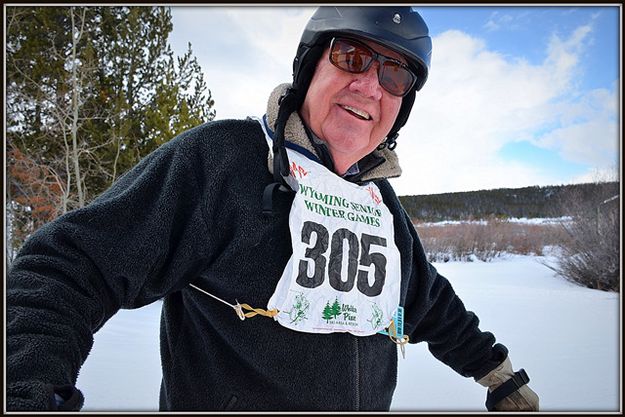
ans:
(401, 344)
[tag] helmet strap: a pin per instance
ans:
(287, 105)
(304, 67)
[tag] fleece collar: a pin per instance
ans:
(296, 138)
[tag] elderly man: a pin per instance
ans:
(291, 212)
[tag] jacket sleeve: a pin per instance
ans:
(435, 314)
(135, 243)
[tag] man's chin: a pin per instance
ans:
(350, 136)
(347, 145)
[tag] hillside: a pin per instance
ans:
(528, 202)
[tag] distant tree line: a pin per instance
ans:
(502, 203)
(90, 91)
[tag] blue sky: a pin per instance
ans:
(517, 96)
(523, 31)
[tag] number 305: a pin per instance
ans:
(334, 265)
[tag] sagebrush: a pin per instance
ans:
(486, 240)
(590, 255)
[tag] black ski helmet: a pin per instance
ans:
(399, 28)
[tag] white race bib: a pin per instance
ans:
(344, 273)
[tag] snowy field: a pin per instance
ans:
(519, 220)
(566, 337)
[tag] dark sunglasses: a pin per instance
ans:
(356, 57)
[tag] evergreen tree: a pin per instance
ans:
(91, 91)
(336, 308)
(327, 313)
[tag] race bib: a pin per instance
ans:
(344, 273)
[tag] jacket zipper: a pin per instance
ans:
(357, 374)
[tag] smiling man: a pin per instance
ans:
(292, 214)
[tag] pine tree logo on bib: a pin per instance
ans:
(336, 313)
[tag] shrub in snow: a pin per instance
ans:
(590, 254)
(486, 240)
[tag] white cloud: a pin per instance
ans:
(499, 21)
(244, 51)
(475, 101)
(491, 25)
(592, 142)
(597, 175)
(564, 55)
(275, 31)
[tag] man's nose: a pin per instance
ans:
(367, 83)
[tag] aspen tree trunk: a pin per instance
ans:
(9, 218)
(68, 172)
(75, 104)
(118, 141)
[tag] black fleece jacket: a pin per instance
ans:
(191, 212)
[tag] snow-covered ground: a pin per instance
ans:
(519, 220)
(566, 337)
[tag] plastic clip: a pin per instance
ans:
(239, 310)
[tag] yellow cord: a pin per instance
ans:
(392, 331)
(255, 311)
(238, 308)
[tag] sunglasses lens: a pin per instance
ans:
(356, 58)
(395, 79)
(350, 57)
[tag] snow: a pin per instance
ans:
(519, 220)
(539, 220)
(448, 222)
(566, 337)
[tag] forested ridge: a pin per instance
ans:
(526, 202)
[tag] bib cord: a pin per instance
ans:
(238, 308)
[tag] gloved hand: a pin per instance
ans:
(499, 384)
